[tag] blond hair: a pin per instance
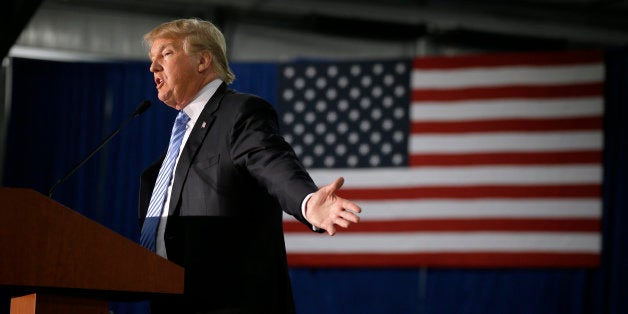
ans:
(197, 36)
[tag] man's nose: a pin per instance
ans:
(154, 67)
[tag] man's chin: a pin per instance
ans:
(167, 101)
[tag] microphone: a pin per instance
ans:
(141, 108)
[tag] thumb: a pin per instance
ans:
(337, 184)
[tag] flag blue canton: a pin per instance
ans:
(346, 114)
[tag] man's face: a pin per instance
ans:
(177, 75)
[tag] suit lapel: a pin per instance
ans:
(197, 136)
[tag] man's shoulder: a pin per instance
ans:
(233, 95)
(240, 101)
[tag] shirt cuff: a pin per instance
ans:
(303, 210)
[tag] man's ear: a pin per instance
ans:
(204, 61)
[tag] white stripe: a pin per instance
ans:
(497, 208)
(502, 108)
(460, 176)
(505, 142)
(509, 75)
(421, 242)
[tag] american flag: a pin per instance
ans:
(489, 160)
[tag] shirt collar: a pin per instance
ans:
(196, 106)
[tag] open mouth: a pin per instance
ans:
(159, 82)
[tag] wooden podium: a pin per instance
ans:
(60, 261)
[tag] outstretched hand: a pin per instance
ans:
(325, 209)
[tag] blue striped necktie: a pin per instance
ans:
(156, 206)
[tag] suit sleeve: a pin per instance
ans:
(258, 148)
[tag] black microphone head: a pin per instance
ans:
(141, 108)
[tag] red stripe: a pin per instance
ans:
(486, 259)
(536, 158)
(502, 125)
(508, 92)
(457, 225)
(474, 192)
(508, 59)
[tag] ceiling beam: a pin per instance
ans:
(17, 13)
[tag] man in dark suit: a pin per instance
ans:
(234, 174)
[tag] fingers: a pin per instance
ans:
(331, 230)
(344, 220)
(349, 217)
(348, 205)
(341, 221)
(336, 211)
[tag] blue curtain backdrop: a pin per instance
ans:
(60, 111)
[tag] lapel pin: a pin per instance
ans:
(203, 125)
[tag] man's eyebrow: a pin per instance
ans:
(160, 48)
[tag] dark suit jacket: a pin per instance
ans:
(234, 177)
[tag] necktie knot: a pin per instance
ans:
(178, 130)
(182, 119)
